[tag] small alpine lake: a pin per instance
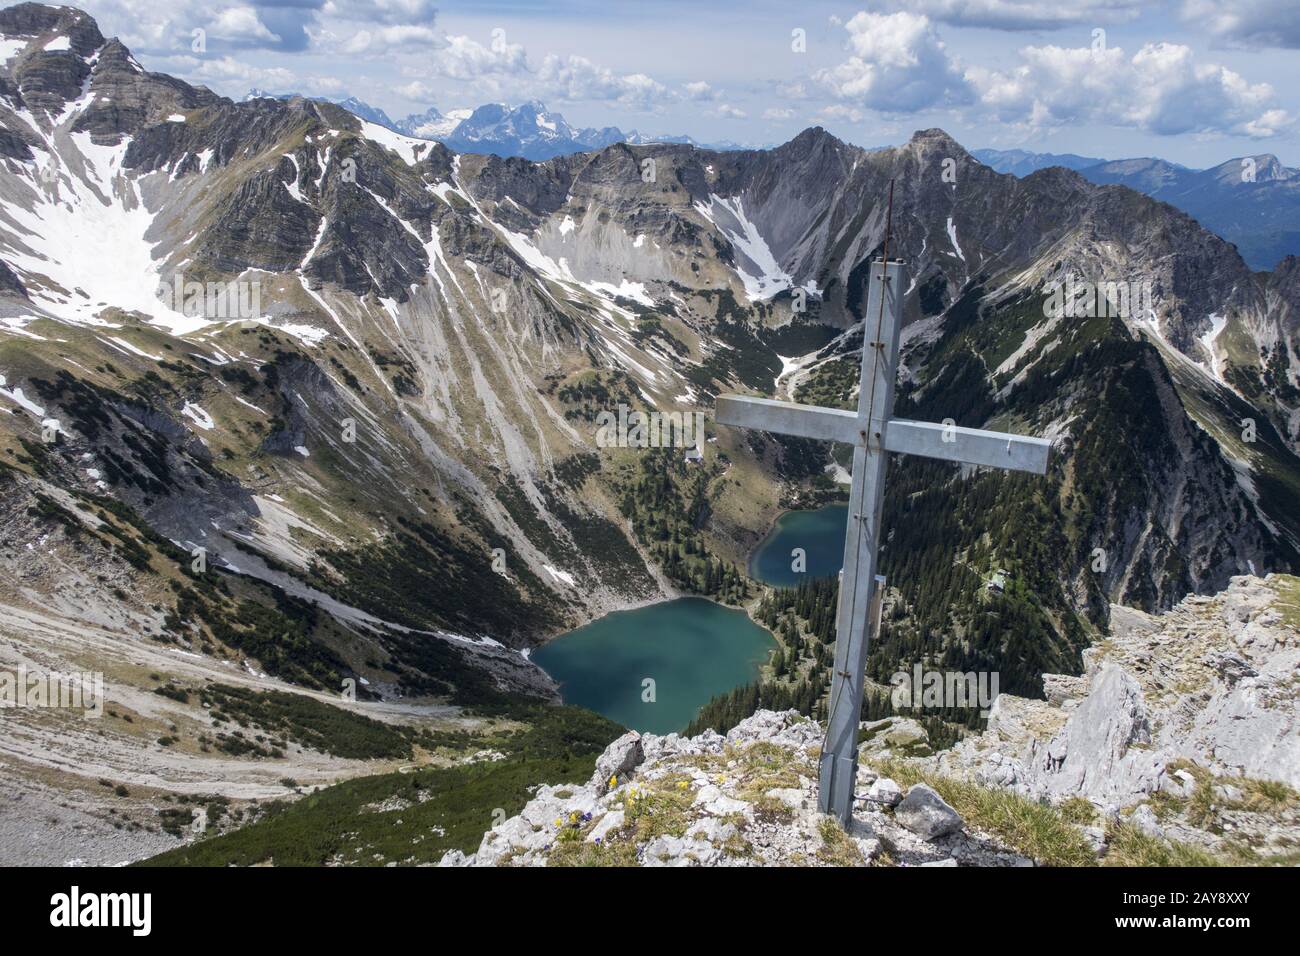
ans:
(691, 648)
(820, 533)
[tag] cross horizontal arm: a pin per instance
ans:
(974, 446)
(788, 418)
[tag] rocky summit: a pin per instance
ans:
(1178, 744)
(744, 799)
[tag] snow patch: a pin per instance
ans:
(1207, 340)
(198, 416)
(562, 576)
(10, 48)
(952, 237)
(404, 146)
(132, 349)
(16, 396)
(626, 290)
(728, 216)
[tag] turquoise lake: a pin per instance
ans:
(691, 648)
(820, 533)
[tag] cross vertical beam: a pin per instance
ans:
(873, 433)
(880, 329)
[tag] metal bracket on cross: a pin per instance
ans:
(873, 432)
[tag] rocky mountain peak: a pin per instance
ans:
(1262, 168)
(39, 21)
(937, 142)
(60, 49)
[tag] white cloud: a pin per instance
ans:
(415, 90)
(699, 90)
(324, 85)
(463, 58)
(165, 29)
(838, 112)
(1272, 23)
(778, 113)
(727, 111)
(897, 63)
(229, 74)
(1021, 14)
(1160, 89)
(577, 78)
(386, 39)
(241, 23)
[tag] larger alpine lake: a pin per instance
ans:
(690, 648)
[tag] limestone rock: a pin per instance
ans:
(1096, 755)
(1144, 818)
(619, 759)
(790, 796)
(927, 814)
(885, 792)
(610, 821)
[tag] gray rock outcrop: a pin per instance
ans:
(927, 814)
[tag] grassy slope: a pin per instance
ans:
(435, 809)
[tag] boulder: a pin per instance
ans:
(927, 814)
(1096, 837)
(619, 759)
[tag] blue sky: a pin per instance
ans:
(1194, 81)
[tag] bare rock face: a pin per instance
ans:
(49, 78)
(1209, 683)
(1101, 752)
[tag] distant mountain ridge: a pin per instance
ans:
(371, 114)
(1260, 215)
(1252, 201)
(529, 130)
(1022, 162)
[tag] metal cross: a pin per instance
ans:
(873, 432)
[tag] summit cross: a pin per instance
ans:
(873, 432)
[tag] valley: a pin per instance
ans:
(369, 504)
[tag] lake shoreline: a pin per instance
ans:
(668, 595)
(683, 652)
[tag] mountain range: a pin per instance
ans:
(1252, 201)
(529, 130)
(290, 399)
